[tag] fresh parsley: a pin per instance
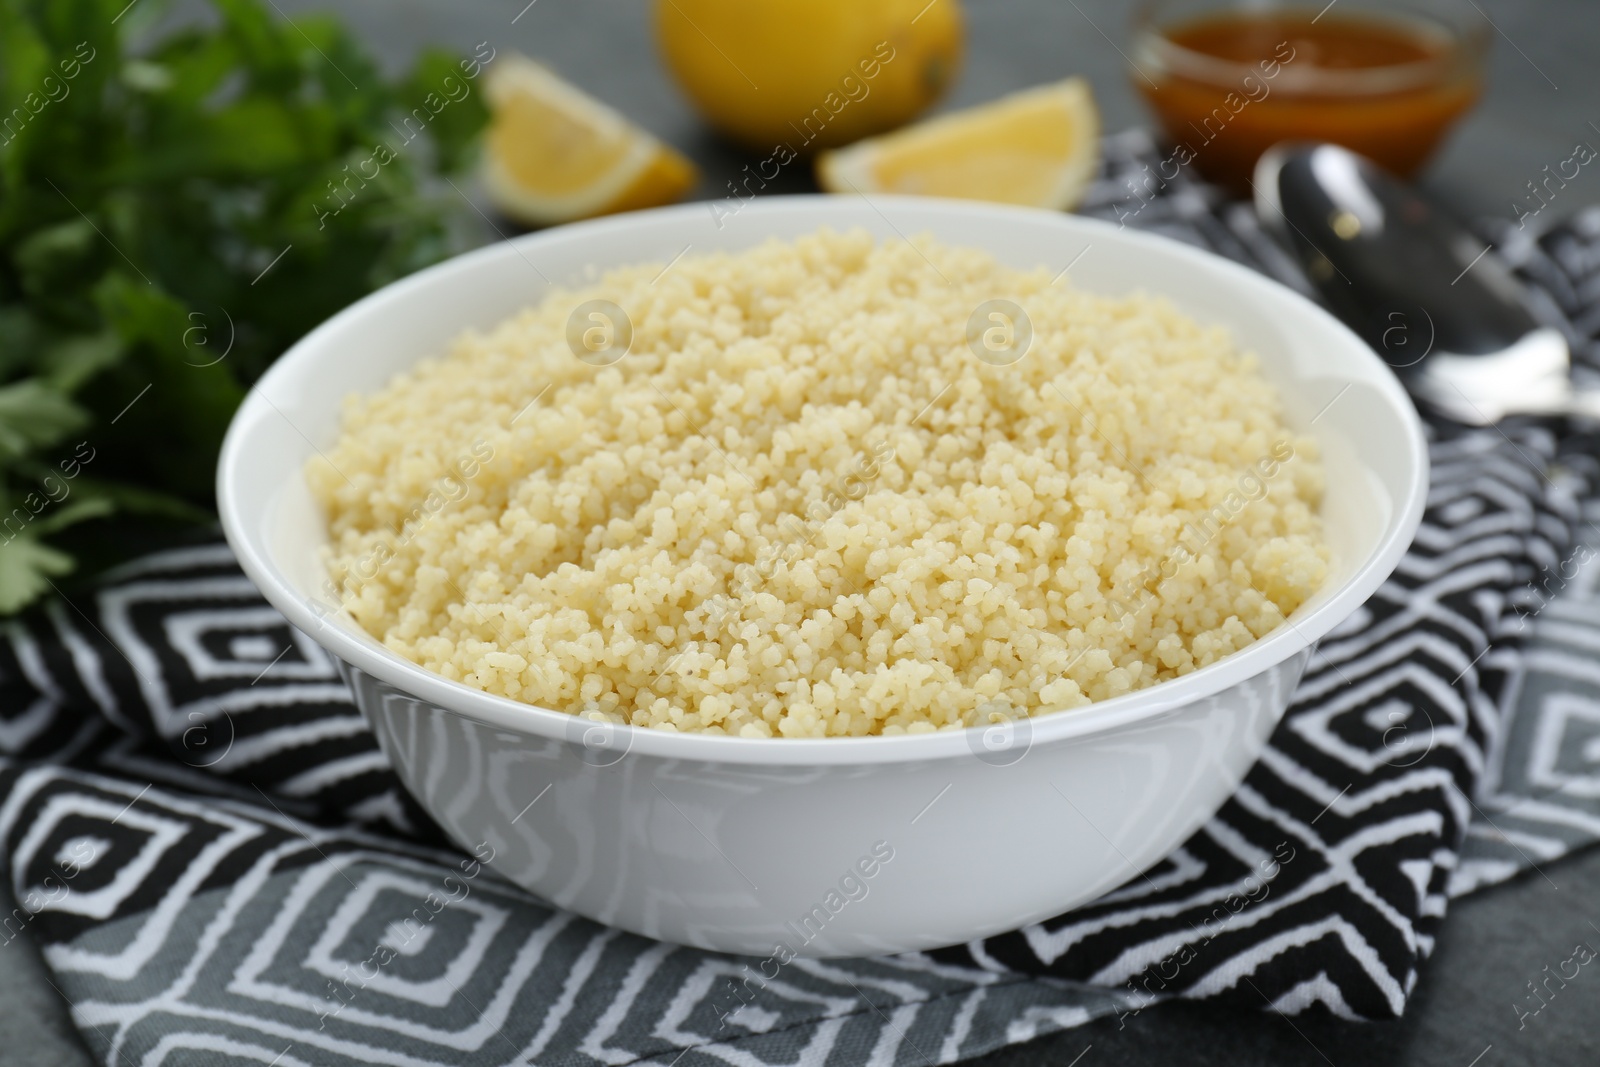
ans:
(181, 198)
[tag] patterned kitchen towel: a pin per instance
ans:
(219, 866)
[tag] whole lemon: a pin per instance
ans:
(810, 73)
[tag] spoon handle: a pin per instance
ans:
(1583, 403)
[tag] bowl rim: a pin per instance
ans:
(368, 656)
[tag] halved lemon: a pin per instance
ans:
(554, 153)
(1038, 147)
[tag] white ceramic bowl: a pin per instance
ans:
(838, 846)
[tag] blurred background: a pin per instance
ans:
(1540, 92)
(138, 243)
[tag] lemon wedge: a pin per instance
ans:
(554, 153)
(1038, 147)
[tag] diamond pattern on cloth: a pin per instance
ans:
(217, 861)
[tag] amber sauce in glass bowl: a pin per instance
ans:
(1229, 84)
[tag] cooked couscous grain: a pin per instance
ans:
(801, 506)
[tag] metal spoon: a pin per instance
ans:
(1417, 286)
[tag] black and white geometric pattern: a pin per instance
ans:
(192, 678)
(176, 922)
(1540, 794)
(220, 866)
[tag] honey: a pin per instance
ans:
(1228, 86)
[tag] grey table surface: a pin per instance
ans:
(1543, 96)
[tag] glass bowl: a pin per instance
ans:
(1230, 78)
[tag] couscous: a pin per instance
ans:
(805, 503)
